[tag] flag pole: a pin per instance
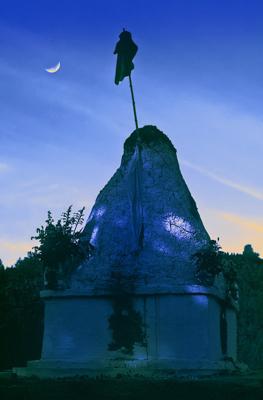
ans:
(133, 102)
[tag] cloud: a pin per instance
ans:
(243, 222)
(11, 250)
(4, 167)
(44, 194)
(253, 192)
(234, 230)
(15, 245)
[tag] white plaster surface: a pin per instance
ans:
(177, 327)
(76, 328)
(147, 189)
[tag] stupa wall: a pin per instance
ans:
(178, 327)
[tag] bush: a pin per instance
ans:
(60, 250)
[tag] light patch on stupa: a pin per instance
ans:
(121, 222)
(178, 227)
(100, 211)
(201, 300)
(94, 235)
(97, 213)
(161, 247)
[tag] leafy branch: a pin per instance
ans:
(59, 246)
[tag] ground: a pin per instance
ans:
(247, 386)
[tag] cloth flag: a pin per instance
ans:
(125, 50)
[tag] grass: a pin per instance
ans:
(239, 387)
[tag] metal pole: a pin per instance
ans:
(133, 102)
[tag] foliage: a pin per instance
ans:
(59, 246)
(249, 269)
(209, 262)
(248, 252)
(212, 261)
(243, 274)
(229, 270)
(1, 265)
(21, 322)
(126, 324)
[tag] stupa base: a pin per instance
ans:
(156, 369)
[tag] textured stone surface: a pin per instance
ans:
(182, 332)
(144, 225)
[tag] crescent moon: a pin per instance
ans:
(54, 69)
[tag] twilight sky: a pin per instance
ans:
(198, 77)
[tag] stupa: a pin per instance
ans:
(135, 304)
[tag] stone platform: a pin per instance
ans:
(174, 343)
(114, 368)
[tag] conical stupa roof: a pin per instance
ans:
(144, 225)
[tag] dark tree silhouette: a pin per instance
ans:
(208, 262)
(21, 312)
(59, 246)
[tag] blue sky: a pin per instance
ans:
(198, 77)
